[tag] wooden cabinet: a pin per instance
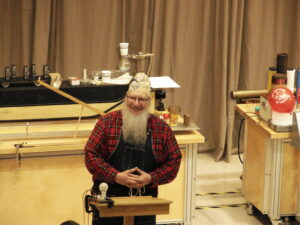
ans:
(271, 168)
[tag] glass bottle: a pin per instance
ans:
(124, 64)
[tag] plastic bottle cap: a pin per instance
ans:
(166, 116)
(257, 109)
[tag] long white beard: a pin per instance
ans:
(134, 127)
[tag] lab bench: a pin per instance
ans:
(43, 175)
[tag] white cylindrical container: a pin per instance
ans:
(106, 74)
(291, 80)
(282, 119)
(124, 48)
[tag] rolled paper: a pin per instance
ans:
(282, 61)
(271, 73)
(84, 74)
(291, 80)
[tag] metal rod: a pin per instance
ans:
(70, 97)
(248, 94)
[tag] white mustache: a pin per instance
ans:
(136, 107)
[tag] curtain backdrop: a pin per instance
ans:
(209, 47)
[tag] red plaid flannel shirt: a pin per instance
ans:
(104, 139)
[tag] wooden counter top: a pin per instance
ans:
(189, 137)
(248, 111)
(134, 206)
(61, 136)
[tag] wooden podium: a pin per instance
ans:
(128, 207)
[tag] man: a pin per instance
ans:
(132, 150)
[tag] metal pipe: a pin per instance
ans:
(248, 94)
(66, 95)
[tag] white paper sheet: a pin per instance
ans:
(123, 79)
(163, 82)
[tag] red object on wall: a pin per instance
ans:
(282, 100)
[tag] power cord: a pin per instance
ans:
(239, 137)
(85, 193)
(239, 134)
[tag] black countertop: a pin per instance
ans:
(31, 95)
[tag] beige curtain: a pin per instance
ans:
(209, 47)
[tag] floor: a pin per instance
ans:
(222, 181)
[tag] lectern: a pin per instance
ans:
(128, 207)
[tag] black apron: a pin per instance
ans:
(127, 156)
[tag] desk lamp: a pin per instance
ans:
(160, 94)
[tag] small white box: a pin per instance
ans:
(74, 81)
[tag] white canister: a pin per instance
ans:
(124, 48)
(282, 119)
(106, 74)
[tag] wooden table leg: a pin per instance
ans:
(128, 220)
